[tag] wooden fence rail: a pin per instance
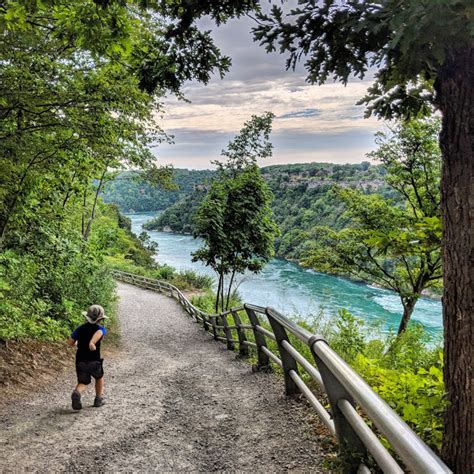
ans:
(351, 400)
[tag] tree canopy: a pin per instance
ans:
(81, 83)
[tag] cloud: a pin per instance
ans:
(301, 113)
(313, 122)
(227, 105)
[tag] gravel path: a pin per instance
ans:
(176, 401)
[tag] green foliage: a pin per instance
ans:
(132, 193)
(184, 280)
(417, 395)
(70, 110)
(179, 217)
(396, 245)
(405, 371)
(48, 277)
(347, 338)
(43, 296)
(206, 302)
(250, 145)
(80, 83)
(46, 283)
(234, 219)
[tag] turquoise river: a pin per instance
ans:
(296, 291)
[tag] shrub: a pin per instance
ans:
(347, 338)
(416, 394)
(186, 280)
(165, 272)
(42, 298)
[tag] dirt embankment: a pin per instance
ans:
(26, 365)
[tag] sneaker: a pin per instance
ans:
(98, 401)
(76, 400)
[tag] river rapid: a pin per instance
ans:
(296, 291)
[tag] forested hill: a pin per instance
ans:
(132, 194)
(302, 199)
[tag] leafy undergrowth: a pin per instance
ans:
(407, 372)
(49, 277)
(42, 300)
(184, 280)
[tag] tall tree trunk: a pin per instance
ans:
(230, 290)
(408, 307)
(83, 215)
(222, 292)
(455, 95)
(96, 198)
(218, 294)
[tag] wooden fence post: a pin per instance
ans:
(243, 349)
(227, 332)
(213, 324)
(352, 449)
(205, 323)
(263, 363)
(287, 359)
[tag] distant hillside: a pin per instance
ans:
(134, 195)
(302, 200)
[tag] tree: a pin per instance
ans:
(398, 247)
(68, 112)
(235, 219)
(80, 83)
(424, 52)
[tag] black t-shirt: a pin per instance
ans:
(83, 335)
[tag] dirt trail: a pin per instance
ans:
(176, 401)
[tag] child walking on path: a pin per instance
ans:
(88, 362)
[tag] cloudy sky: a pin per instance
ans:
(313, 123)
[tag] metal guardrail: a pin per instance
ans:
(348, 394)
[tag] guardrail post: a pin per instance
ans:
(214, 329)
(194, 314)
(205, 323)
(263, 364)
(227, 332)
(243, 349)
(353, 451)
(287, 360)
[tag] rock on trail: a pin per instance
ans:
(176, 401)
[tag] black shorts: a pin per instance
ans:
(87, 369)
